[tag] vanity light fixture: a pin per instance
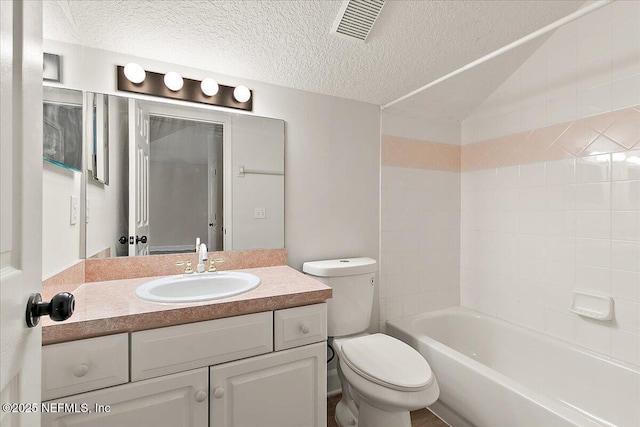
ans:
(173, 81)
(241, 93)
(134, 73)
(209, 86)
(172, 85)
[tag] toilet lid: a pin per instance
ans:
(387, 361)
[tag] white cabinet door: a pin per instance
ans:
(79, 366)
(298, 326)
(178, 400)
(283, 389)
(179, 348)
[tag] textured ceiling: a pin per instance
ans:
(289, 43)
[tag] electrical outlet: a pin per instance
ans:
(75, 210)
(260, 213)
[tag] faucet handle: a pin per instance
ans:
(188, 269)
(212, 264)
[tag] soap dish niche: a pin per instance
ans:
(593, 306)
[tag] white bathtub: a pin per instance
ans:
(493, 373)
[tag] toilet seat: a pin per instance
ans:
(388, 362)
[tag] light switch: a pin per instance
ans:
(75, 210)
(260, 213)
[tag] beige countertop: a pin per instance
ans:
(105, 308)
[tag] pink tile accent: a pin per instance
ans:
(602, 144)
(625, 130)
(602, 134)
(575, 139)
(104, 308)
(602, 121)
(73, 275)
(98, 270)
(418, 154)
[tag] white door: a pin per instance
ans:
(215, 191)
(20, 204)
(178, 400)
(138, 179)
(281, 389)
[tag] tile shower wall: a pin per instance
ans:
(420, 227)
(552, 211)
(589, 66)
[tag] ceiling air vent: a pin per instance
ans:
(356, 17)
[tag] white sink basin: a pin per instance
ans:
(197, 287)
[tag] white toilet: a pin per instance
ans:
(382, 378)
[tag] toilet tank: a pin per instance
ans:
(352, 282)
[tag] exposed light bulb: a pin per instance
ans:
(173, 81)
(209, 86)
(134, 73)
(242, 93)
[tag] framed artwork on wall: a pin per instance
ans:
(62, 135)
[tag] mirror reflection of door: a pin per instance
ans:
(185, 184)
(139, 152)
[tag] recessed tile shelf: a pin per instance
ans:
(593, 306)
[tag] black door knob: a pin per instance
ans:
(142, 239)
(210, 224)
(59, 308)
(122, 240)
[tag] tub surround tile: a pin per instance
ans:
(625, 255)
(420, 237)
(419, 154)
(626, 166)
(110, 307)
(578, 226)
(595, 168)
(612, 132)
(555, 110)
(625, 285)
(625, 195)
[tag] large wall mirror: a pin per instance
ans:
(155, 176)
(62, 178)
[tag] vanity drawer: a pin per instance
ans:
(173, 349)
(299, 326)
(78, 366)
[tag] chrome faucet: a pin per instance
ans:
(202, 258)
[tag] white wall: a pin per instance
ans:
(332, 154)
(258, 144)
(400, 124)
(60, 239)
(587, 67)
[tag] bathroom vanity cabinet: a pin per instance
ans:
(262, 369)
